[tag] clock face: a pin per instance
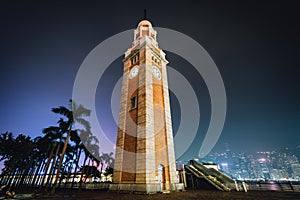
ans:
(156, 72)
(133, 72)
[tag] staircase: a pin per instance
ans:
(208, 178)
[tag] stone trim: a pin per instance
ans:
(145, 188)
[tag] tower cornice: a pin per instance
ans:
(134, 53)
(145, 44)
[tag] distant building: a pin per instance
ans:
(278, 166)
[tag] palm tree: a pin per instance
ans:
(53, 145)
(55, 136)
(51, 155)
(78, 148)
(77, 114)
(17, 153)
(24, 157)
(90, 141)
(72, 156)
(42, 148)
(6, 141)
(67, 164)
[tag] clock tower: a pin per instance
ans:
(144, 158)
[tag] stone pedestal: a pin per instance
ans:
(144, 188)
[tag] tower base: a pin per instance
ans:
(144, 187)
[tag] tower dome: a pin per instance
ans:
(145, 23)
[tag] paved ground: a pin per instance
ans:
(191, 194)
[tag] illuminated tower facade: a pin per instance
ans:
(144, 158)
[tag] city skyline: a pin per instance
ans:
(273, 165)
(255, 46)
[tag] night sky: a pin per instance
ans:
(255, 45)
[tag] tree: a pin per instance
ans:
(28, 162)
(41, 151)
(90, 141)
(55, 136)
(77, 114)
(18, 155)
(78, 149)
